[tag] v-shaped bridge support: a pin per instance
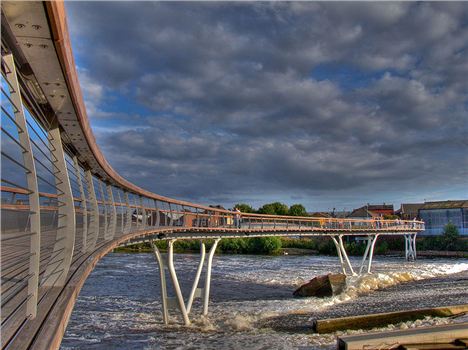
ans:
(366, 262)
(178, 300)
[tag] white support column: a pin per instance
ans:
(340, 256)
(366, 252)
(345, 255)
(197, 277)
(84, 205)
(33, 195)
(57, 268)
(410, 246)
(175, 281)
(93, 231)
(162, 277)
(206, 297)
(113, 216)
(371, 253)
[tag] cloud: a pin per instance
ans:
(229, 104)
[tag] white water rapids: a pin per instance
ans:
(251, 301)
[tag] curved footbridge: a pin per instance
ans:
(64, 207)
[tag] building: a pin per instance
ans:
(438, 214)
(372, 211)
(409, 211)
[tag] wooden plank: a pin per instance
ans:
(433, 346)
(383, 319)
(394, 339)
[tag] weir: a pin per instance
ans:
(64, 207)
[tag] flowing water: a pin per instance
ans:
(251, 304)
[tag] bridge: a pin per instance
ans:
(64, 207)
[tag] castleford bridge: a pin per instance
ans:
(64, 207)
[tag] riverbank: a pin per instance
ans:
(146, 248)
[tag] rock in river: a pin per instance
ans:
(322, 286)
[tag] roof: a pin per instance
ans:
(379, 206)
(407, 208)
(362, 213)
(321, 214)
(450, 204)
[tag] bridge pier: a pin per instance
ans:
(343, 255)
(366, 262)
(410, 247)
(178, 300)
(369, 253)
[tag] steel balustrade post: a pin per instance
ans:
(113, 218)
(143, 214)
(175, 281)
(93, 230)
(206, 291)
(151, 213)
(128, 221)
(158, 217)
(122, 213)
(66, 225)
(84, 205)
(106, 213)
(137, 224)
(197, 277)
(31, 179)
(162, 277)
(171, 215)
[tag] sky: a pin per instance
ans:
(328, 104)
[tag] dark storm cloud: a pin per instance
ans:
(242, 96)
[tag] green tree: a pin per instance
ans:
(297, 210)
(245, 208)
(450, 236)
(275, 208)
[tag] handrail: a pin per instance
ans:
(232, 214)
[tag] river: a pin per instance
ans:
(251, 305)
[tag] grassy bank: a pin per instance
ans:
(320, 245)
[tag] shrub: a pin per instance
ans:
(264, 245)
(301, 243)
(234, 245)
